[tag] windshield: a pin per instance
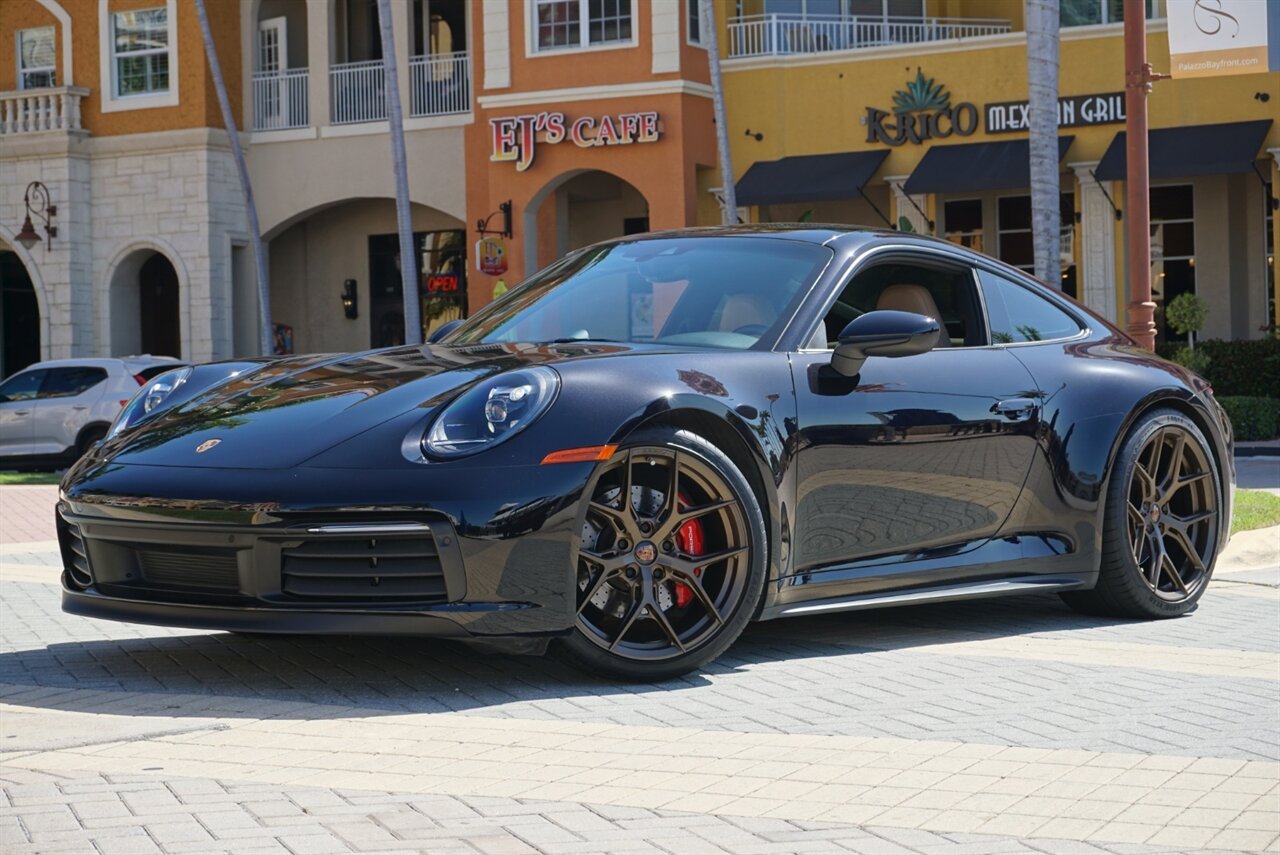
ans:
(725, 292)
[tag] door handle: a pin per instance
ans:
(1016, 409)
(79, 407)
(22, 412)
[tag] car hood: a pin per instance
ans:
(288, 411)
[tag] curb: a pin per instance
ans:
(1257, 451)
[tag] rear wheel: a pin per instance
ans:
(671, 563)
(87, 438)
(1161, 524)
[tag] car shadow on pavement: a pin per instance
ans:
(257, 675)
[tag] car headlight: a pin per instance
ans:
(150, 399)
(492, 411)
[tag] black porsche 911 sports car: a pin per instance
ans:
(658, 439)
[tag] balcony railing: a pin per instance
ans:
(32, 111)
(780, 33)
(280, 99)
(440, 84)
(357, 92)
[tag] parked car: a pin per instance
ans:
(657, 440)
(51, 412)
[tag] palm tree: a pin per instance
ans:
(729, 210)
(266, 341)
(1042, 92)
(399, 163)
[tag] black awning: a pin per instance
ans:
(1190, 151)
(809, 178)
(973, 167)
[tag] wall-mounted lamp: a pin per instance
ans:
(759, 136)
(37, 201)
(349, 294)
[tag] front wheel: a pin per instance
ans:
(1161, 523)
(671, 563)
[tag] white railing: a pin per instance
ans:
(280, 99)
(780, 33)
(32, 111)
(440, 84)
(357, 93)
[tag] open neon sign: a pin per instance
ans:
(515, 138)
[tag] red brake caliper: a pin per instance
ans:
(689, 539)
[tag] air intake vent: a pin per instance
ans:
(205, 571)
(75, 558)
(367, 569)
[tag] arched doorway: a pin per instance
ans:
(580, 208)
(19, 315)
(145, 297)
(335, 274)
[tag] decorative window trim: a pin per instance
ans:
(17, 56)
(695, 8)
(532, 51)
(113, 103)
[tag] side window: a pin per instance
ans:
(1019, 314)
(69, 382)
(21, 387)
(946, 294)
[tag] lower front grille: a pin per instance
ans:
(368, 569)
(213, 571)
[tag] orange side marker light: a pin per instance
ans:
(581, 455)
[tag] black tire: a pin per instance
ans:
(88, 437)
(728, 593)
(1154, 564)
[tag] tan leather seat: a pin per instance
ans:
(744, 310)
(906, 297)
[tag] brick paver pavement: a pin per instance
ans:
(1004, 726)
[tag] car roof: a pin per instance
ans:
(140, 361)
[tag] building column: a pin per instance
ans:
(1097, 271)
(1275, 236)
(319, 58)
(903, 207)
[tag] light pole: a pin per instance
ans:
(1137, 85)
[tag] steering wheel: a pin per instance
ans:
(756, 330)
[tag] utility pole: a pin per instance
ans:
(729, 203)
(1138, 78)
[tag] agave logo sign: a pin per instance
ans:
(922, 111)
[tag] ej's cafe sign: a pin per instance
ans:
(515, 138)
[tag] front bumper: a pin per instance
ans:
(349, 565)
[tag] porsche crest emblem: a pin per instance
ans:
(206, 445)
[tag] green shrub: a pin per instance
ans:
(1197, 360)
(1244, 367)
(1236, 367)
(1252, 417)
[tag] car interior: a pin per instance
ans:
(946, 293)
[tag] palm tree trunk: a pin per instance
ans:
(1042, 91)
(711, 36)
(399, 163)
(266, 340)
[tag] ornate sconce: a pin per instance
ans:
(37, 201)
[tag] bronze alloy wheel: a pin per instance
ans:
(1172, 513)
(664, 558)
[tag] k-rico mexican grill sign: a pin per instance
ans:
(515, 138)
(923, 111)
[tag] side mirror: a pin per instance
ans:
(883, 333)
(444, 330)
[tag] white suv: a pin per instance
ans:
(51, 412)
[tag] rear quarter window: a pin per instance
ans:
(1019, 314)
